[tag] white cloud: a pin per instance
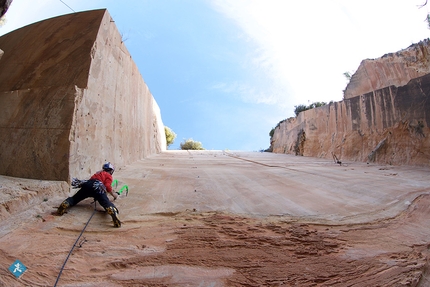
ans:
(307, 46)
(301, 49)
(251, 93)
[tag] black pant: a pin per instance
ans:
(88, 190)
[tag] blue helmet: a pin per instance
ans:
(108, 167)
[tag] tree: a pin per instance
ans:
(299, 108)
(272, 132)
(3, 21)
(170, 136)
(191, 144)
(347, 75)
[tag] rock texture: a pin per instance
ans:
(387, 125)
(393, 69)
(18, 195)
(72, 98)
(213, 218)
(205, 218)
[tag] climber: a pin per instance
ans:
(97, 186)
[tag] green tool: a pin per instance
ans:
(115, 183)
(125, 187)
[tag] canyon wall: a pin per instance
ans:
(73, 98)
(393, 69)
(389, 125)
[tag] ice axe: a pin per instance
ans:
(114, 183)
(124, 187)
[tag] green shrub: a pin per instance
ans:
(301, 108)
(170, 136)
(190, 144)
(272, 131)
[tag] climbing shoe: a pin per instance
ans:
(112, 211)
(62, 208)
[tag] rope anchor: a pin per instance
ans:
(82, 242)
(336, 160)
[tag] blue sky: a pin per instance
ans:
(224, 72)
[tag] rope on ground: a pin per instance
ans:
(74, 245)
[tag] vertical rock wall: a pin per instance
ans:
(115, 118)
(390, 125)
(39, 69)
(72, 97)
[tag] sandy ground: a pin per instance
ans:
(214, 218)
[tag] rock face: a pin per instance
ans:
(218, 218)
(395, 69)
(388, 125)
(72, 98)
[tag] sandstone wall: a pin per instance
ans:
(72, 98)
(390, 125)
(395, 69)
(115, 118)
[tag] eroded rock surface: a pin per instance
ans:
(388, 125)
(212, 218)
(393, 69)
(72, 98)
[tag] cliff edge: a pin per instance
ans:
(392, 69)
(383, 118)
(73, 98)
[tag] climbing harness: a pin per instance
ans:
(74, 245)
(77, 183)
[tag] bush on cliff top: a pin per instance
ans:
(191, 144)
(297, 110)
(301, 108)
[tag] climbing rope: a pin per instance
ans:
(73, 247)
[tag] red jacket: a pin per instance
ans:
(105, 178)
